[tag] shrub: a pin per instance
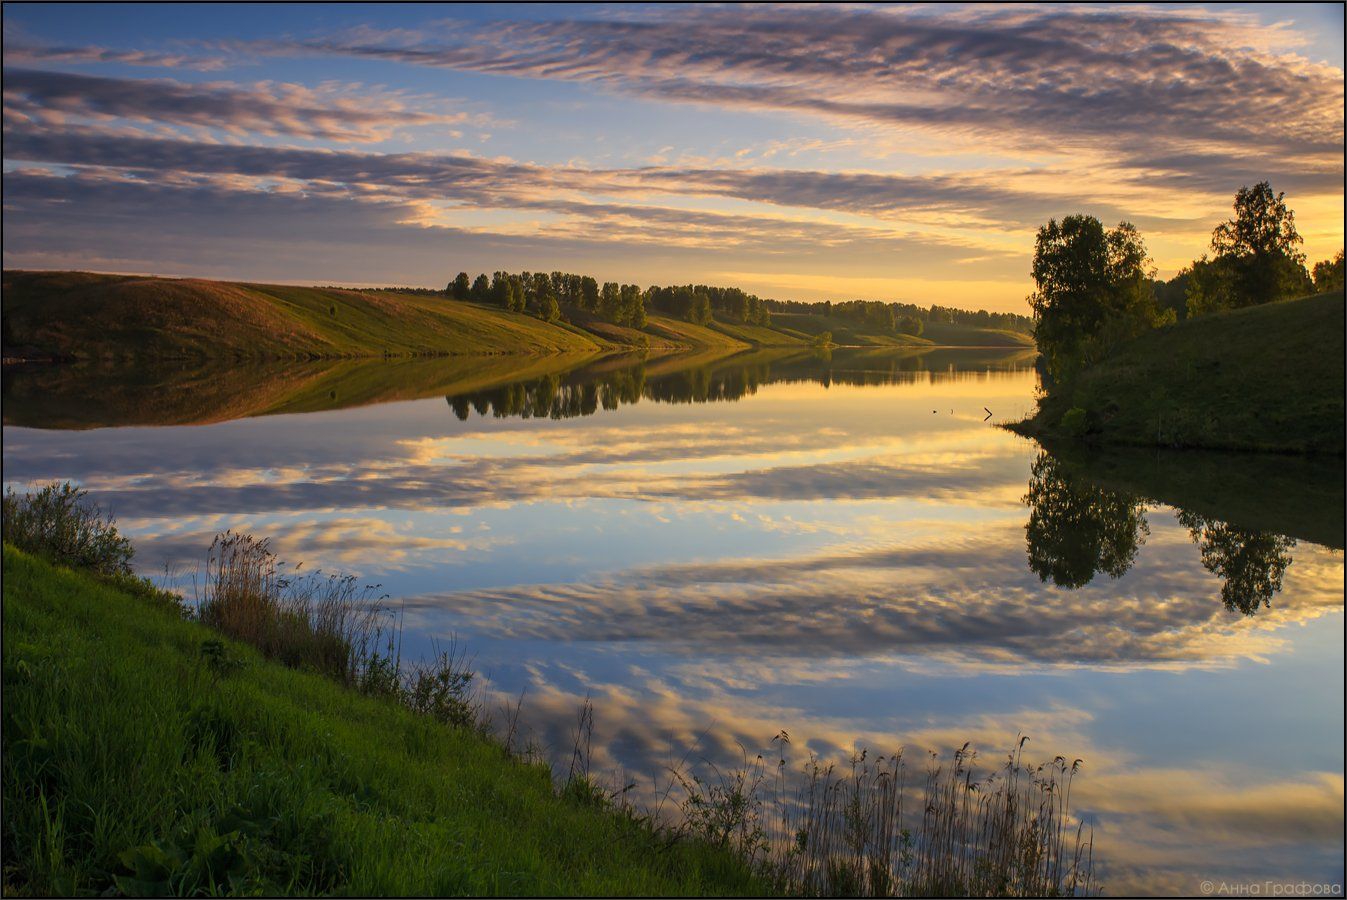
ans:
(1076, 422)
(60, 523)
(324, 623)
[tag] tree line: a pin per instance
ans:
(543, 294)
(1096, 287)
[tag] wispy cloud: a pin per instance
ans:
(331, 112)
(1038, 77)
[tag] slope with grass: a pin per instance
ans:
(845, 333)
(86, 316)
(1267, 378)
(851, 333)
(136, 763)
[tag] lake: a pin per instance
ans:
(717, 548)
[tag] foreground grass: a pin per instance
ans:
(136, 762)
(1264, 378)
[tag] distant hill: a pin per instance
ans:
(82, 315)
(1261, 378)
(851, 333)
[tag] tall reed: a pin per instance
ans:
(864, 830)
(327, 623)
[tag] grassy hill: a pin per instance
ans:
(952, 335)
(851, 333)
(81, 315)
(133, 766)
(1261, 378)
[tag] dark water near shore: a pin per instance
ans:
(846, 547)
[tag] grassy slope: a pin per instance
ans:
(80, 315)
(855, 334)
(83, 315)
(948, 335)
(1262, 378)
(761, 335)
(116, 735)
(845, 333)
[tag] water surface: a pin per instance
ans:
(714, 549)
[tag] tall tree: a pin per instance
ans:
(1257, 255)
(610, 301)
(589, 294)
(632, 305)
(481, 289)
(699, 313)
(460, 287)
(1094, 289)
(1328, 274)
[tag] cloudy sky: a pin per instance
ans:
(800, 152)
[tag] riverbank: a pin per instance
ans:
(1263, 378)
(135, 761)
(82, 316)
(270, 739)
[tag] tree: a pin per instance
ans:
(460, 286)
(1250, 564)
(542, 294)
(699, 313)
(610, 301)
(1328, 274)
(632, 306)
(516, 299)
(910, 325)
(1094, 290)
(1257, 252)
(589, 294)
(1076, 530)
(481, 289)
(548, 310)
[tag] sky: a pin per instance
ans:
(800, 152)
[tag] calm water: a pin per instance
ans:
(715, 550)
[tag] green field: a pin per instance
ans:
(132, 766)
(1261, 378)
(850, 333)
(86, 316)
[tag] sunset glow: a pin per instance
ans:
(894, 153)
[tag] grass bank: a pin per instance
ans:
(287, 749)
(1266, 378)
(87, 316)
(134, 761)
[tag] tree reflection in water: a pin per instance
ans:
(1077, 529)
(1250, 563)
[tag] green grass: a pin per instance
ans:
(82, 315)
(846, 333)
(133, 762)
(86, 316)
(850, 333)
(760, 335)
(1266, 378)
(952, 335)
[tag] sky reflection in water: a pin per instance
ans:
(844, 561)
